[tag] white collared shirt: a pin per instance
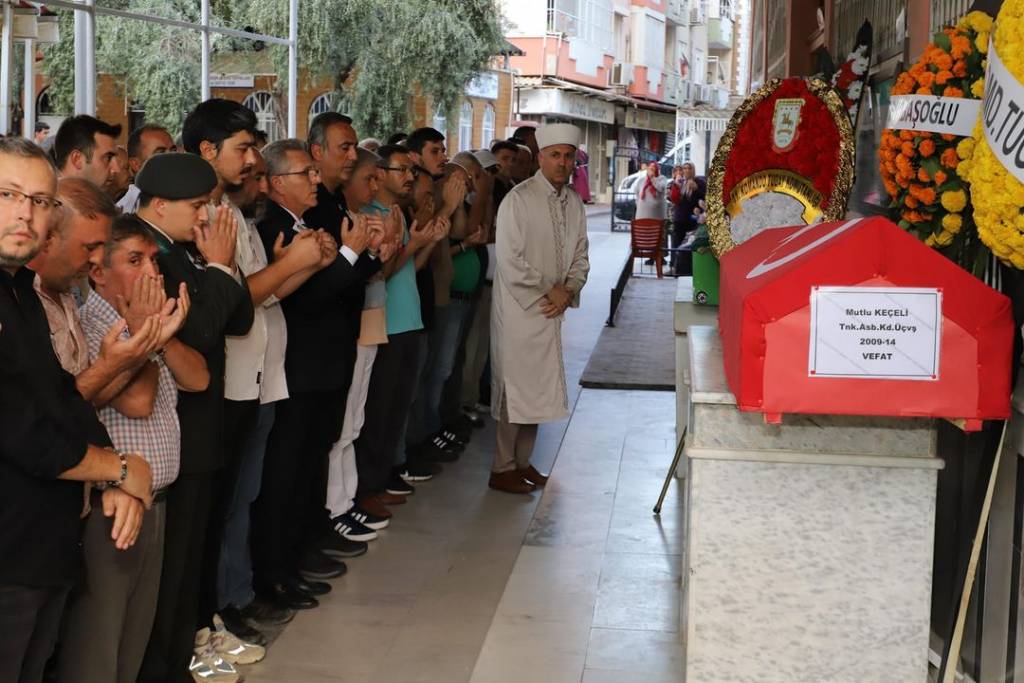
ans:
(254, 366)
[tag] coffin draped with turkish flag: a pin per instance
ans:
(850, 358)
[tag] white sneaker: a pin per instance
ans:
(231, 647)
(209, 668)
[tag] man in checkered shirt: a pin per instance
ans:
(110, 617)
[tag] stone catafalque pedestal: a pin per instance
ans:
(808, 549)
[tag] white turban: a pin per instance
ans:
(558, 134)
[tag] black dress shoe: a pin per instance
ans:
(285, 596)
(265, 613)
(234, 623)
(310, 588)
(316, 565)
(473, 418)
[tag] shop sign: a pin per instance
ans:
(484, 86)
(555, 102)
(1003, 115)
(645, 119)
(232, 81)
(933, 114)
(875, 332)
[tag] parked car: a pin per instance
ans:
(624, 199)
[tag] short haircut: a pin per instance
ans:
(387, 151)
(125, 227)
(135, 139)
(276, 154)
(215, 120)
(505, 145)
(522, 133)
(41, 126)
(419, 138)
(398, 138)
(78, 132)
(81, 197)
(365, 157)
(318, 129)
(26, 149)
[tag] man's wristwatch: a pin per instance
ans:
(124, 470)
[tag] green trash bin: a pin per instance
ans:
(705, 277)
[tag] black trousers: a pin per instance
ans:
(172, 640)
(239, 420)
(29, 624)
(290, 513)
(388, 401)
(681, 261)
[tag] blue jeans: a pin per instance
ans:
(234, 573)
(448, 324)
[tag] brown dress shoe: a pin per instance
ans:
(509, 482)
(374, 507)
(390, 498)
(532, 475)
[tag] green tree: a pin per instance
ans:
(392, 46)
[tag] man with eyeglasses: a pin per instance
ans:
(291, 527)
(254, 384)
(50, 440)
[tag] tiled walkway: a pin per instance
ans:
(580, 583)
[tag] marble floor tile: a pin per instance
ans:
(651, 652)
(639, 591)
(628, 676)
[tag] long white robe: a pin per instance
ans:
(541, 241)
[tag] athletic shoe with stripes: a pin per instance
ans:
(348, 527)
(232, 648)
(368, 520)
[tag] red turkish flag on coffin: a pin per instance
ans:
(939, 346)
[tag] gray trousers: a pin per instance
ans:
(515, 445)
(110, 615)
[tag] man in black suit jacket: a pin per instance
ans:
(291, 525)
(174, 191)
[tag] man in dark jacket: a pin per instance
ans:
(50, 437)
(292, 530)
(174, 191)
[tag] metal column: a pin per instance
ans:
(293, 66)
(6, 70)
(204, 19)
(85, 59)
(28, 91)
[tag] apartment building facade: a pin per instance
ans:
(626, 71)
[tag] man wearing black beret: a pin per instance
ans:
(174, 189)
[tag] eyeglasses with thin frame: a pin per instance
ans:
(311, 171)
(40, 201)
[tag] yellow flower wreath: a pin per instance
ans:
(996, 194)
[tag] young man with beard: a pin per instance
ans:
(175, 190)
(292, 530)
(51, 438)
(86, 147)
(109, 616)
(254, 384)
